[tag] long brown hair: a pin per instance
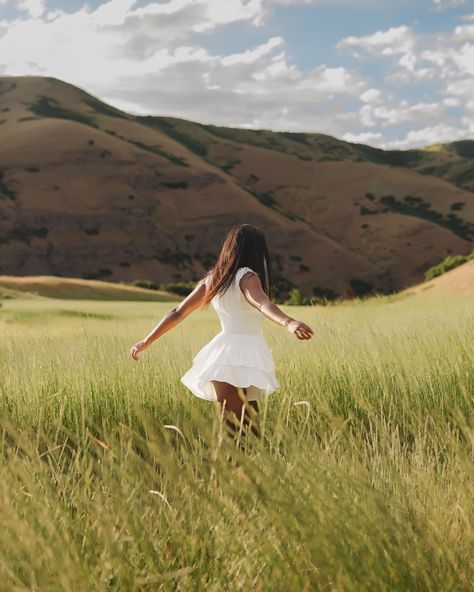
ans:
(244, 246)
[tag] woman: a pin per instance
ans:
(236, 367)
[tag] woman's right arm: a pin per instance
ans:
(178, 313)
(251, 288)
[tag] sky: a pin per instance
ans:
(394, 74)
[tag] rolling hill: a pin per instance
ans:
(79, 289)
(458, 281)
(89, 191)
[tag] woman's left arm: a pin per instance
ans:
(192, 302)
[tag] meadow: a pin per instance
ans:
(114, 476)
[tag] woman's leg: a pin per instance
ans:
(236, 407)
(254, 416)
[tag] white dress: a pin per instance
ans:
(239, 354)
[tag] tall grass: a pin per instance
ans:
(115, 477)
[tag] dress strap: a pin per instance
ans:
(241, 272)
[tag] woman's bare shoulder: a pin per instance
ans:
(250, 282)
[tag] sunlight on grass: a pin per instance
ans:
(115, 477)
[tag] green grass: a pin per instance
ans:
(114, 476)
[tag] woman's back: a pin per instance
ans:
(235, 313)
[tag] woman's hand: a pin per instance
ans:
(139, 347)
(300, 329)
(251, 288)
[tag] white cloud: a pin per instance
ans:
(445, 4)
(363, 137)
(350, 3)
(451, 102)
(445, 59)
(464, 59)
(417, 56)
(149, 28)
(393, 40)
(463, 91)
(54, 14)
(372, 95)
(366, 114)
(114, 38)
(464, 32)
(397, 42)
(287, 2)
(184, 16)
(34, 8)
(267, 93)
(252, 55)
(146, 60)
(427, 136)
(382, 116)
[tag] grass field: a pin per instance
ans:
(115, 477)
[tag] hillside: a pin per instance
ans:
(89, 191)
(79, 289)
(458, 281)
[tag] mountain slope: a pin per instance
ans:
(87, 190)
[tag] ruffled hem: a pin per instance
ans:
(258, 383)
(243, 360)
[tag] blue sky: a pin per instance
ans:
(394, 74)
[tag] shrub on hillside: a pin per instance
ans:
(360, 287)
(182, 134)
(176, 184)
(179, 288)
(416, 206)
(148, 284)
(450, 262)
(295, 298)
(49, 107)
(5, 190)
(323, 295)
